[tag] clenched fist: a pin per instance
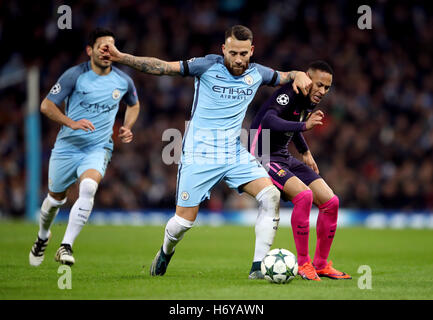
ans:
(314, 119)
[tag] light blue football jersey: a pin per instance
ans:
(219, 106)
(90, 96)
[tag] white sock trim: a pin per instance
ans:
(265, 190)
(183, 222)
(56, 203)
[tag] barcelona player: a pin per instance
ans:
(286, 115)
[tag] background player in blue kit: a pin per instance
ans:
(211, 151)
(92, 92)
(287, 115)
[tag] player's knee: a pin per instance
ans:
(186, 215)
(305, 196)
(308, 196)
(269, 198)
(88, 188)
(334, 202)
(274, 195)
(331, 206)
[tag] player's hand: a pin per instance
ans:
(314, 119)
(109, 51)
(308, 159)
(125, 134)
(82, 124)
(303, 82)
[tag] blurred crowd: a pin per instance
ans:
(374, 149)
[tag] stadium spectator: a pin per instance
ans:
(380, 107)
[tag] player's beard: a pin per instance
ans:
(236, 71)
(100, 63)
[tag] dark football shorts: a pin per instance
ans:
(282, 169)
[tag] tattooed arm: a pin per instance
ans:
(300, 80)
(151, 65)
(287, 76)
(144, 64)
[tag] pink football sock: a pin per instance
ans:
(301, 224)
(326, 226)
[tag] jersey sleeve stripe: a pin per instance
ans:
(185, 69)
(274, 78)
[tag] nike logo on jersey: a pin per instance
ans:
(296, 113)
(219, 77)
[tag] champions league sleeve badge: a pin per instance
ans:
(56, 88)
(283, 99)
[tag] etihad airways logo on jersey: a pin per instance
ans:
(232, 92)
(98, 108)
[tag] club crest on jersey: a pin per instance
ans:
(184, 196)
(281, 173)
(56, 88)
(283, 99)
(248, 80)
(116, 94)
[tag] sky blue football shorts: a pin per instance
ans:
(197, 176)
(65, 168)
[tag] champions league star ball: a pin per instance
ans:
(279, 266)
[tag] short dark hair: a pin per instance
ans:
(97, 33)
(240, 33)
(320, 65)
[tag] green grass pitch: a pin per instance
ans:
(112, 262)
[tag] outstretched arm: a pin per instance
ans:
(300, 80)
(271, 120)
(144, 64)
(287, 76)
(151, 65)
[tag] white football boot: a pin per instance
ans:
(37, 253)
(64, 255)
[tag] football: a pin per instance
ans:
(279, 266)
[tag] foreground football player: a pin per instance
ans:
(287, 115)
(211, 151)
